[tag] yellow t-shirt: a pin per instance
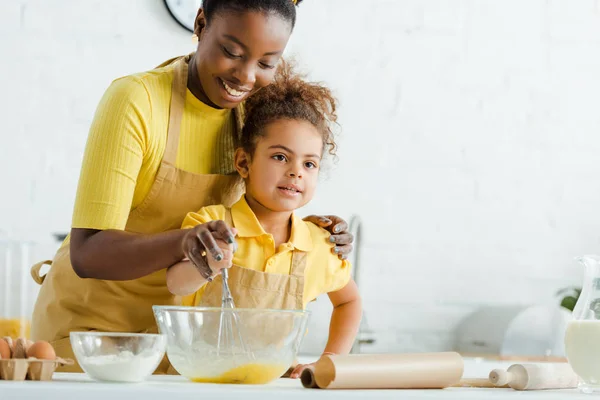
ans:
(127, 140)
(324, 272)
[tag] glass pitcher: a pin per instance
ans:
(582, 338)
(16, 288)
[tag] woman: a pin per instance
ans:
(161, 145)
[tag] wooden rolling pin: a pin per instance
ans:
(428, 371)
(535, 376)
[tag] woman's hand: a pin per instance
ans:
(339, 233)
(210, 247)
(184, 278)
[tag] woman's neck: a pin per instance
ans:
(277, 223)
(194, 84)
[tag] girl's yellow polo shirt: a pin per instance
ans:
(127, 140)
(324, 272)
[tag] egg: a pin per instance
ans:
(4, 350)
(9, 340)
(11, 344)
(41, 350)
(20, 348)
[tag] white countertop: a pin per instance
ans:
(178, 388)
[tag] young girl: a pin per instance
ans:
(286, 132)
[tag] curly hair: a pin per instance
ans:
(285, 8)
(289, 97)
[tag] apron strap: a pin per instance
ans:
(169, 61)
(239, 115)
(178, 92)
(298, 263)
(35, 271)
(228, 217)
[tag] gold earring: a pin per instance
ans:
(194, 38)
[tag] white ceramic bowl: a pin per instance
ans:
(118, 357)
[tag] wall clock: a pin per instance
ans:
(184, 12)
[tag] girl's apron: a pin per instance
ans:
(68, 303)
(256, 289)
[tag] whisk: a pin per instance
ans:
(230, 329)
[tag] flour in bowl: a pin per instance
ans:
(122, 367)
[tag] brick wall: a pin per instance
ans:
(469, 146)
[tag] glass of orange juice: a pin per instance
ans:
(16, 288)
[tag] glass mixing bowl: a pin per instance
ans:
(118, 357)
(250, 346)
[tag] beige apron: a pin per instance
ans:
(68, 303)
(256, 289)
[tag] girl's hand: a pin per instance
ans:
(297, 372)
(201, 246)
(339, 233)
(217, 266)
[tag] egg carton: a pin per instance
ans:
(19, 369)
